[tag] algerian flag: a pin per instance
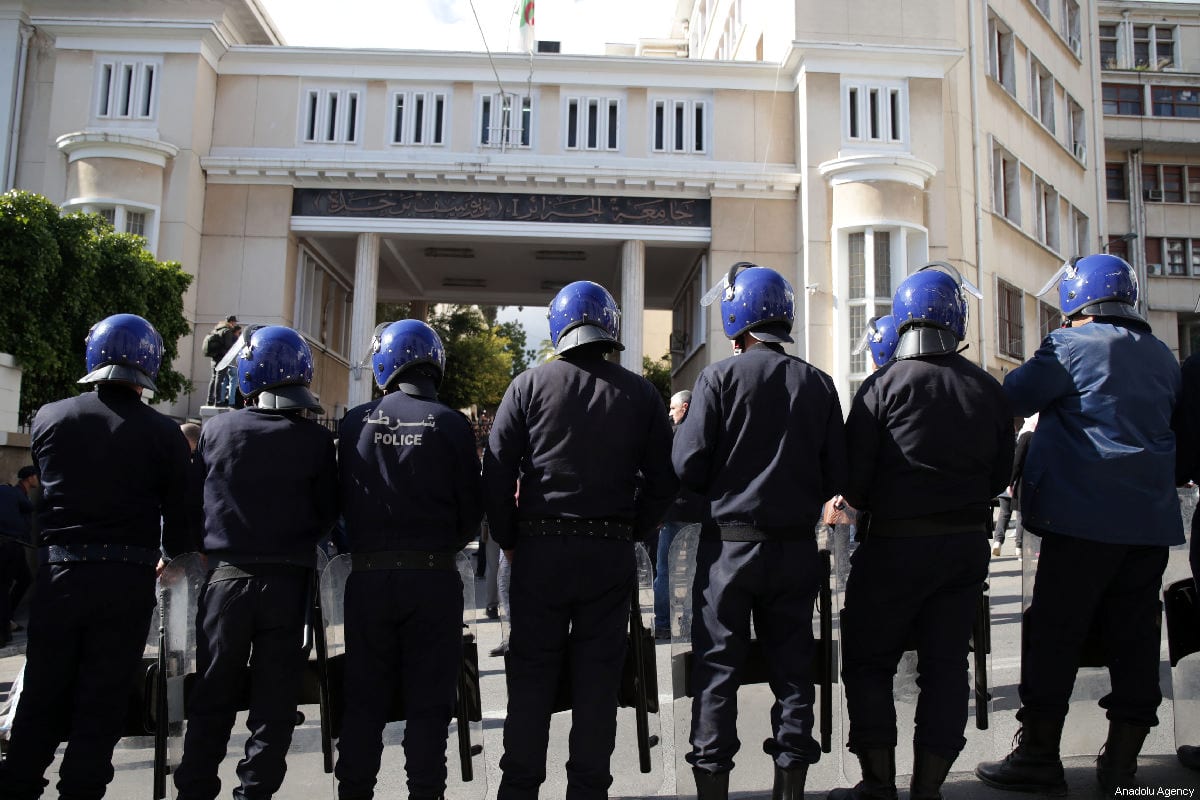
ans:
(527, 39)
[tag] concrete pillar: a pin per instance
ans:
(362, 315)
(633, 303)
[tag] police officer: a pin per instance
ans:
(264, 491)
(1099, 488)
(763, 442)
(930, 442)
(574, 434)
(411, 498)
(114, 473)
(881, 338)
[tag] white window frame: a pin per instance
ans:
(1006, 184)
(1076, 129)
(1002, 54)
(311, 314)
(1153, 42)
(602, 110)
(664, 128)
(874, 112)
(118, 211)
(1046, 214)
(418, 118)
(1003, 347)
(1043, 8)
(689, 320)
(1071, 25)
(331, 115)
(1080, 231)
(126, 88)
(1041, 93)
(505, 120)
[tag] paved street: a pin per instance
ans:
(751, 778)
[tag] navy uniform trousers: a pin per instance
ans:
(901, 590)
(1116, 584)
(257, 621)
(776, 583)
(87, 633)
(403, 634)
(570, 600)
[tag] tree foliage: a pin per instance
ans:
(62, 273)
(659, 373)
(478, 358)
(522, 357)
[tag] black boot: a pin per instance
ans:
(929, 773)
(878, 777)
(1189, 756)
(789, 783)
(1034, 766)
(1117, 764)
(711, 785)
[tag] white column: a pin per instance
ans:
(633, 303)
(362, 315)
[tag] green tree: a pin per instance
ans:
(522, 357)
(478, 361)
(62, 273)
(659, 373)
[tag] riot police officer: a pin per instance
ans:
(763, 442)
(1099, 488)
(881, 338)
(264, 490)
(573, 434)
(930, 442)
(411, 499)
(114, 473)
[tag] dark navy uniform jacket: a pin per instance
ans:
(1102, 465)
(16, 513)
(576, 432)
(763, 440)
(113, 471)
(409, 476)
(264, 484)
(928, 436)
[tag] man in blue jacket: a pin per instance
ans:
(1099, 488)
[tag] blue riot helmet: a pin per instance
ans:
(755, 299)
(125, 348)
(881, 337)
(930, 310)
(276, 367)
(403, 345)
(1099, 285)
(581, 313)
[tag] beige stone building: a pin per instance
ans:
(842, 143)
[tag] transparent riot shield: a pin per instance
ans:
(179, 588)
(466, 777)
(754, 772)
(1183, 630)
(980, 744)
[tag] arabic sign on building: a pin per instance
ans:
(389, 204)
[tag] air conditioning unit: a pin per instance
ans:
(1154, 194)
(1080, 151)
(679, 342)
(1154, 269)
(1073, 41)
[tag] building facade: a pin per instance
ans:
(843, 144)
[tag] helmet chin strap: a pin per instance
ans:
(925, 341)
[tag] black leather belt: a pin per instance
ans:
(770, 533)
(933, 525)
(403, 559)
(596, 528)
(119, 553)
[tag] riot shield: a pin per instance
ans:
(755, 771)
(1183, 630)
(466, 776)
(980, 744)
(179, 588)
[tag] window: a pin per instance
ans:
(322, 311)
(1043, 6)
(1114, 182)
(688, 318)
(1049, 318)
(1045, 201)
(126, 88)
(1123, 99)
(331, 116)
(1077, 130)
(1170, 183)
(679, 126)
(1006, 184)
(1195, 245)
(1078, 237)
(1010, 320)
(1071, 25)
(1108, 45)
(1153, 46)
(1153, 256)
(1117, 246)
(869, 291)
(1176, 101)
(135, 223)
(1041, 93)
(124, 218)
(1151, 184)
(593, 123)
(1000, 54)
(1175, 251)
(418, 118)
(505, 120)
(875, 112)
